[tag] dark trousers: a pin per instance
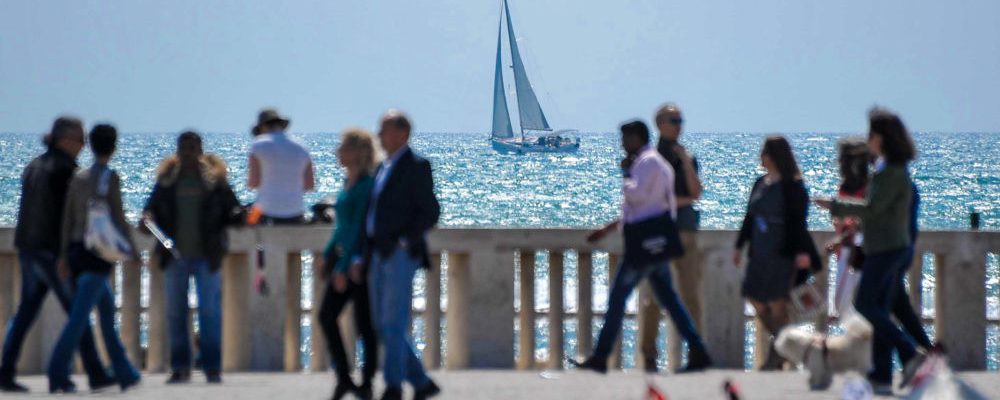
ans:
(876, 296)
(333, 304)
(38, 276)
(661, 282)
(904, 312)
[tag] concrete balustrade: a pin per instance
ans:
(264, 332)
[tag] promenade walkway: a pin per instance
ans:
(506, 385)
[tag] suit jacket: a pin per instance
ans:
(406, 209)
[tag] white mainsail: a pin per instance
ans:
(528, 108)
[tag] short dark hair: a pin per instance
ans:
(778, 149)
(103, 140)
(897, 146)
(399, 120)
(61, 127)
(188, 135)
(636, 128)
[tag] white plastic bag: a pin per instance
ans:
(102, 237)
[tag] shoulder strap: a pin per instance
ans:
(103, 182)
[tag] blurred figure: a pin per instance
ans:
(782, 252)
(90, 270)
(193, 203)
(853, 159)
(648, 189)
(886, 214)
(687, 268)
(44, 185)
(357, 155)
(281, 171)
(402, 208)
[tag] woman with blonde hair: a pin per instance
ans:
(358, 155)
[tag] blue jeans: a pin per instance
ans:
(209, 285)
(391, 282)
(660, 281)
(38, 276)
(92, 289)
(874, 299)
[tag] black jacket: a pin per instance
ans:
(797, 238)
(219, 207)
(44, 183)
(407, 208)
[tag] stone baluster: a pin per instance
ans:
(526, 336)
(481, 310)
(236, 324)
(8, 285)
(615, 361)
(319, 361)
(557, 316)
(916, 278)
(432, 314)
(585, 304)
(458, 311)
(131, 310)
(725, 328)
(158, 351)
(293, 312)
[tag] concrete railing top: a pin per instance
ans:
(465, 239)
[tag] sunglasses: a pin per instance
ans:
(673, 121)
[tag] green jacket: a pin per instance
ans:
(885, 212)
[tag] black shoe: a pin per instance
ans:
(344, 386)
(393, 394)
(129, 384)
(102, 382)
(213, 377)
(698, 360)
(10, 386)
(178, 377)
(64, 386)
(592, 364)
(428, 390)
(364, 392)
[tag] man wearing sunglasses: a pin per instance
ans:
(687, 269)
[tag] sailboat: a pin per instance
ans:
(532, 118)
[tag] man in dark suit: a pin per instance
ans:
(401, 210)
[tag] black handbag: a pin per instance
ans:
(652, 240)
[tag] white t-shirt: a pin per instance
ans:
(283, 163)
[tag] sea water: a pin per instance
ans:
(958, 173)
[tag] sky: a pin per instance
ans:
(733, 66)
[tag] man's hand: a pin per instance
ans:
(802, 261)
(738, 258)
(627, 162)
(62, 269)
(599, 234)
(357, 273)
(339, 282)
(823, 203)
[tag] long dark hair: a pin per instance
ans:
(854, 159)
(780, 152)
(897, 146)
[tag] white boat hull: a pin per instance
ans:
(536, 145)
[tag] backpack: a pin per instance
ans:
(102, 237)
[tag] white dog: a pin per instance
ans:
(824, 356)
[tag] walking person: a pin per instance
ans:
(401, 210)
(648, 189)
(853, 165)
(687, 268)
(280, 170)
(357, 155)
(193, 203)
(90, 271)
(44, 186)
(782, 252)
(886, 223)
